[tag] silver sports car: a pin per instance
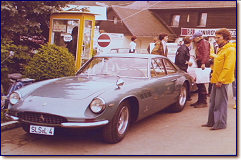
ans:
(110, 91)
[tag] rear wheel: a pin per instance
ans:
(117, 128)
(182, 99)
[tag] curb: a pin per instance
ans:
(9, 125)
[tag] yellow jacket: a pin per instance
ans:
(224, 64)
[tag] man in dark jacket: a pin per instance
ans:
(183, 55)
(202, 58)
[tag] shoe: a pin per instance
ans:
(205, 125)
(196, 103)
(189, 99)
(212, 129)
(201, 105)
(234, 107)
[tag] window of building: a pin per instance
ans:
(203, 20)
(188, 18)
(175, 20)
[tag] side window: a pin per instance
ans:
(157, 68)
(169, 67)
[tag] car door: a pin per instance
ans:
(160, 84)
(172, 78)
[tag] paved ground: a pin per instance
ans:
(161, 134)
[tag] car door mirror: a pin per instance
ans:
(120, 82)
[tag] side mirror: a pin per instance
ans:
(119, 83)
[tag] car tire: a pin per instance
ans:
(182, 99)
(116, 130)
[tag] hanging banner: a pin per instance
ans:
(206, 32)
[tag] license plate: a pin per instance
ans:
(41, 130)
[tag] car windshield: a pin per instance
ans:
(117, 66)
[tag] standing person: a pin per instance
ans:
(183, 56)
(149, 48)
(160, 45)
(72, 46)
(133, 45)
(223, 75)
(202, 58)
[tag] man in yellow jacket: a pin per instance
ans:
(222, 76)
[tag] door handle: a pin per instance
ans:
(173, 80)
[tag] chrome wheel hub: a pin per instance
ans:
(123, 120)
(183, 96)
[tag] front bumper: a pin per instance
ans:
(67, 124)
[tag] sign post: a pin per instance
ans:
(104, 40)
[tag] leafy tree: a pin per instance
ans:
(27, 18)
(14, 63)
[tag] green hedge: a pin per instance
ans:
(49, 62)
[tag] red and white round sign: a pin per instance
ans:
(103, 40)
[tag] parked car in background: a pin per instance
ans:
(110, 91)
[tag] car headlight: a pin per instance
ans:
(97, 105)
(14, 98)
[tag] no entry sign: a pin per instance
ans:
(103, 40)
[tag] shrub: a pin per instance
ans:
(49, 62)
(14, 64)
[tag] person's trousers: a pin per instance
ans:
(210, 84)
(234, 89)
(217, 116)
(202, 93)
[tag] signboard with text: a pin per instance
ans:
(59, 28)
(206, 32)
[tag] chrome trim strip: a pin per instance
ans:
(85, 124)
(12, 117)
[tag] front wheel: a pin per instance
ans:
(182, 99)
(115, 131)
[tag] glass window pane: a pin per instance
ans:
(123, 67)
(175, 20)
(65, 34)
(203, 19)
(87, 39)
(157, 68)
(169, 67)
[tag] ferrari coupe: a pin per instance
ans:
(110, 92)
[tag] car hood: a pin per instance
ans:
(68, 97)
(75, 88)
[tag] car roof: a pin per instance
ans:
(130, 55)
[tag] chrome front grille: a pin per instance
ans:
(41, 118)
